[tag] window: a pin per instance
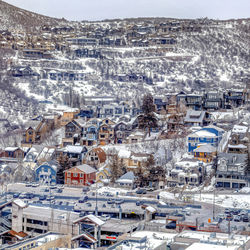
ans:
(81, 175)
(75, 174)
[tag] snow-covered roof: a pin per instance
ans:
(202, 133)
(20, 203)
(194, 116)
(207, 148)
(237, 146)
(129, 176)
(86, 169)
(207, 246)
(74, 149)
(11, 149)
(94, 219)
(124, 153)
(150, 209)
(239, 129)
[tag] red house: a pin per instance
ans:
(82, 175)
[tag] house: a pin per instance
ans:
(186, 172)
(73, 132)
(134, 137)
(232, 171)
(234, 98)
(96, 157)
(205, 153)
(196, 118)
(239, 140)
(69, 115)
(122, 131)
(175, 122)
(13, 152)
(103, 175)
(194, 101)
(127, 180)
(38, 154)
(91, 132)
(22, 71)
(208, 135)
(36, 53)
(106, 132)
(213, 100)
(36, 131)
(75, 153)
(46, 173)
(82, 175)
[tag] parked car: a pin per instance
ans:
(141, 191)
(28, 184)
(105, 217)
(59, 190)
(50, 198)
(85, 189)
(171, 225)
(138, 203)
(237, 218)
(245, 218)
(111, 201)
(119, 201)
(16, 195)
(22, 195)
(46, 190)
(30, 195)
(42, 197)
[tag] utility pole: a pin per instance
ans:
(214, 205)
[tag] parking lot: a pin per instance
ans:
(132, 205)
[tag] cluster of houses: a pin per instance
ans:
(134, 33)
(86, 133)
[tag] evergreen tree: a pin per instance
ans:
(147, 119)
(64, 164)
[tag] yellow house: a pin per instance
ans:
(103, 174)
(106, 132)
(132, 161)
(68, 116)
(205, 153)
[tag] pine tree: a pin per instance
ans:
(64, 164)
(147, 119)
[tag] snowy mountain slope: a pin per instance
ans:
(215, 57)
(14, 18)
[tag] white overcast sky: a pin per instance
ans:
(108, 9)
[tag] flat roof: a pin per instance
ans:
(45, 213)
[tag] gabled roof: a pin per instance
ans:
(84, 168)
(11, 149)
(32, 124)
(234, 159)
(203, 134)
(128, 176)
(74, 149)
(205, 149)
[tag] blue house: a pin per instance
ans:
(46, 173)
(91, 132)
(208, 135)
(86, 113)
